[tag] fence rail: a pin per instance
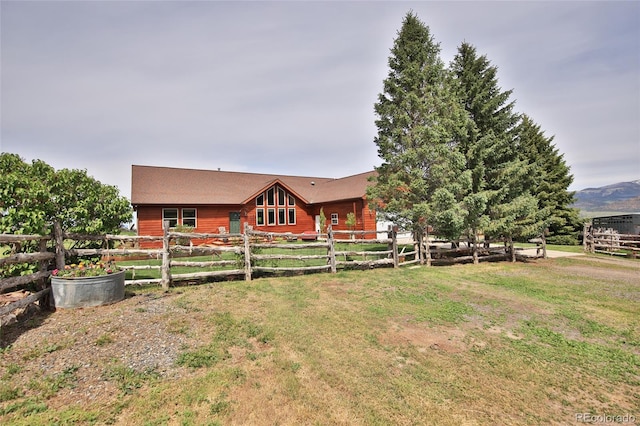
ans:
(42, 258)
(233, 256)
(609, 241)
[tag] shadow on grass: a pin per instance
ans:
(32, 317)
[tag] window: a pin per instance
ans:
(334, 218)
(189, 217)
(170, 215)
(271, 200)
(283, 210)
(259, 217)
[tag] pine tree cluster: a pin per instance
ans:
(457, 158)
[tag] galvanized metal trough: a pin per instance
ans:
(82, 292)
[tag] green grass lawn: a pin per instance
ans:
(496, 343)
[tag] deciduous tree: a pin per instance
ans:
(33, 196)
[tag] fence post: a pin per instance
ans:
(585, 235)
(474, 253)
(417, 245)
(426, 245)
(59, 242)
(247, 254)
(166, 257)
(43, 266)
(394, 245)
(332, 250)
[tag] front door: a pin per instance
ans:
(234, 222)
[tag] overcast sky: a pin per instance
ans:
(289, 87)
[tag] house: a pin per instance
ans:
(214, 200)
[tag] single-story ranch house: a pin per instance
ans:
(214, 201)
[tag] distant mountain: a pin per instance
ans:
(623, 197)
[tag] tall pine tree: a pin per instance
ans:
(500, 203)
(551, 187)
(422, 178)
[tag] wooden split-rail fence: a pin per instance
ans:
(609, 241)
(254, 253)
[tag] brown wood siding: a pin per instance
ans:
(209, 219)
(365, 218)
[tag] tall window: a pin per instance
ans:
(189, 217)
(271, 199)
(334, 218)
(281, 207)
(171, 216)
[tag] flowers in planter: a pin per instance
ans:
(85, 269)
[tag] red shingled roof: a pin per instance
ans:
(166, 185)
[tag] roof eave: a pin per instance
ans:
(269, 185)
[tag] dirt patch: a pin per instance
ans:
(138, 333)
(424, 338)
(449, 340)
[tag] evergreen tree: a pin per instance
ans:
(422, 178)
(500, 202)
(551, 189)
